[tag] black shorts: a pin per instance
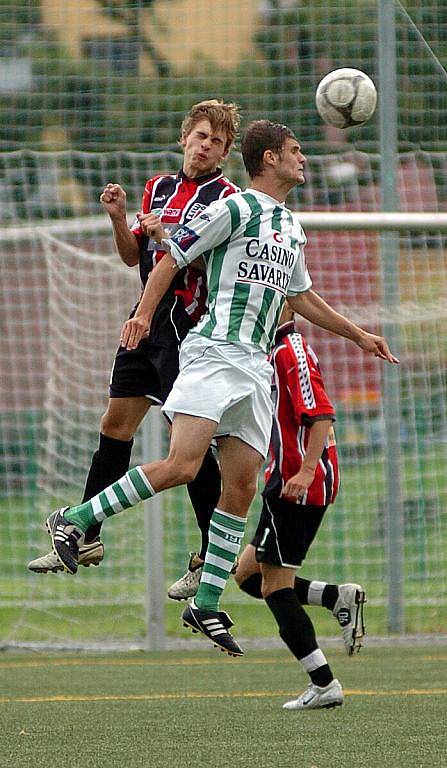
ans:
(151, 369)
(285, 531)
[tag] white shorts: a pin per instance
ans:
(226, 383)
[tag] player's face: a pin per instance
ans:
(290, 167)
(204, 149)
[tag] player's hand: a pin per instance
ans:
(133, 331)
(377, 346)
(113, 199)
(152, 226)
(298, 484)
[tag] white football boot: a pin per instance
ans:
(348, 610)
(315, 697)
(188, 584)
(89, 554)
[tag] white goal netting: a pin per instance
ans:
(64, 297)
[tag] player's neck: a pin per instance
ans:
(271, 187)
(193, 172)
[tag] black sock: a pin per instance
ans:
(302, 590)
(109, 463)
(252, 585)
(321, 676)
(296, 630)
(204, 492)
(329, 596)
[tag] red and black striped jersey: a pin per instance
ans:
(177, 199)
(299, 398)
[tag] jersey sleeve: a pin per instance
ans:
(300, 279)
(135, 227)
(203, 233)
(305, 383)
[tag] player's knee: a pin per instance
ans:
(116, 427)
(266, 588)
(243, 490)
(182, 470)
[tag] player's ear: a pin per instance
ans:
(182, 140)
(269, 157)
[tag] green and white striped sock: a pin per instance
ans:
(129, 490)
(225, 534)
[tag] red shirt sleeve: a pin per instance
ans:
(145, 208)
(305, 382)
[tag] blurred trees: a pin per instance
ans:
(294, 45)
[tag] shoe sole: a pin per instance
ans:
(179, 599)
(61, 568)
(359, 629)
(196, 631)
(331, 705)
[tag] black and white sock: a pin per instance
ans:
(316, 593)
(297, 631)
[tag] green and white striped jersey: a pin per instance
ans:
(254, 253)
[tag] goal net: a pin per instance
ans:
(64, 297)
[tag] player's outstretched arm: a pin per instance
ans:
(159, 281)
(113, 199)
(311, 306)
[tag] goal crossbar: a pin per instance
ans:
(311, 220)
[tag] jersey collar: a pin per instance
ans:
(200, 179)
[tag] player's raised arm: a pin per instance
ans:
(113, 199)
(311, 306)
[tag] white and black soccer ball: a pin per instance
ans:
(346, 97)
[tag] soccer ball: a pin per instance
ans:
(346, 97)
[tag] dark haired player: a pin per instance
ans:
(301, 481)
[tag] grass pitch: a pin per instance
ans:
(203, 709)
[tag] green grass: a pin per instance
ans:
(200, 708)
(108, 602)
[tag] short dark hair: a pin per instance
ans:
(260, 136)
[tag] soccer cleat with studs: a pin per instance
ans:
(89, 554)
(317, 697)
(188, 584)
(214, 625)
(348, 610)
(65, 538)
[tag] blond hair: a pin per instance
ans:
(222, 117)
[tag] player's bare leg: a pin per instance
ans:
(123, 416)
(190, 438)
